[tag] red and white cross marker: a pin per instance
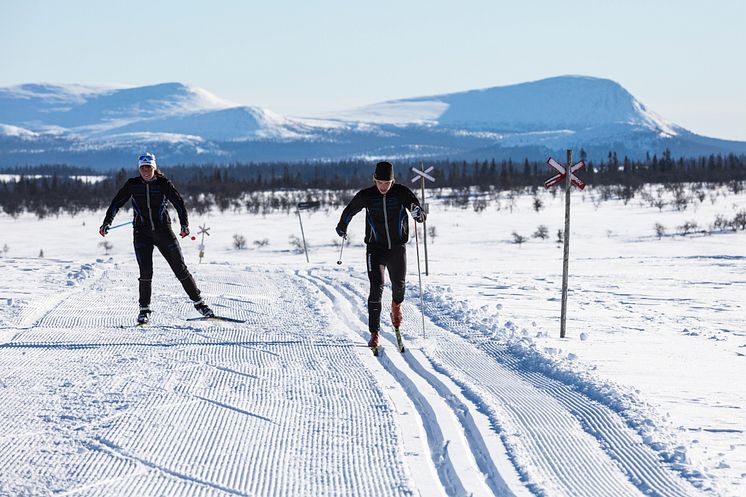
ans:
(561, 174)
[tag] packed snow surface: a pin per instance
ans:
(643, 397)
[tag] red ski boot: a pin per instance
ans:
(396, 321)
(396, 315)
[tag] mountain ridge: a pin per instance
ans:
(98, 126)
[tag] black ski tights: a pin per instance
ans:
(168, 245)
(378, 261)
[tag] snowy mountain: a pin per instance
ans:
(571, 103)
(104, 126)
(76, 106)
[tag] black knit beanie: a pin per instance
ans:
(384, 171)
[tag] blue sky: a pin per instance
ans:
(683, 59)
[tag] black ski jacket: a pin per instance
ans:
(149, 199)
(386, 220)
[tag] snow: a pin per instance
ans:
(395, 112)
(137, 138)
(643, 397)
(56, 93)
(17, 132)
(190, 97)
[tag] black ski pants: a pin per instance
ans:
(378, 260)
(165, 239)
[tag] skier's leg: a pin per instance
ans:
(143, 243)
(169, 247)
(376, 267)
(397, 266)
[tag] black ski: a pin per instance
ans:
(399, 341)
(218, 318)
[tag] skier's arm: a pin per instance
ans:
(173, 195)
(122, 196)
(356, 205)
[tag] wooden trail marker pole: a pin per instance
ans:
(566, 174)
(422, 175)
(566, 255)
(301, 207)
(203, 230)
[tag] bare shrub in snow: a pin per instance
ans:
(541, 232)
(687, 228)
(739, 221)
(239, 242)
(296, 244)
(660, 230)
(538, 204)
(721, 223)
(680, 198)
(519, 239)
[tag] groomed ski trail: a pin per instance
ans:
(291, 402)
(277, 406)
(460, 458)
(559, 440)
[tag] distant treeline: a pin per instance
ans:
(263, 187)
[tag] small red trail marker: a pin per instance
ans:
(577, 182)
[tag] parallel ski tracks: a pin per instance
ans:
(459, 457)
(561, 441)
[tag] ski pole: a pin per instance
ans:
(339, 262)
(419, 276)
(120, 225)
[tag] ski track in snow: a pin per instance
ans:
(291, 402)
(262, 408)
(551, 430)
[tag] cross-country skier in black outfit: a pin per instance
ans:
(386, 233)
(150, 192)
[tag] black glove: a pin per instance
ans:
(341, 231)
(418, 214)
(184, 231)
(104, 229)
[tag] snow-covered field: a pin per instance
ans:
(645, 396)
